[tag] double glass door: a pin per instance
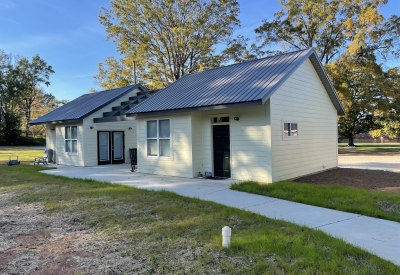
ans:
(110, 147)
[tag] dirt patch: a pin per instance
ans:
(360, 178)
(36, 243)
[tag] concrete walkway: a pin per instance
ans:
(379, 237)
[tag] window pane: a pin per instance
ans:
(221, 119)
(104, 146)
(293, 129)
(165, 148)
(67, 132)
(164, 128)
(118, 148)
(152, 129)
(152, 147)
(67, 146)
(74, 132)
(286, 129)
(74, 146)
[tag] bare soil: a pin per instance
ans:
(35, 242)
(360, 178)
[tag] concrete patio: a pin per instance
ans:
(380, 237)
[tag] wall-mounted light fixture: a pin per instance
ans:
(236, 118)
(91, 127)
(130, 128)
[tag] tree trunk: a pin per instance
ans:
(28, 119)
(351, 141)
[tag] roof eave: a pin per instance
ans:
(57, 121)
(194, 109)
(136, 86)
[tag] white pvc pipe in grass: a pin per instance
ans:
(226, 236)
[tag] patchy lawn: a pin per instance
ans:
(25, 154)
(370, 147)
(59, 225)
(350, 190)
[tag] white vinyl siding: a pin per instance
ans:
(197, 146)
(303, 99)
(180, 162)
(51, 139)
(67, 158)
(249, 139)
(91, 134)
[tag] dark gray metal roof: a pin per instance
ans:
(248, 83)
(84, 105)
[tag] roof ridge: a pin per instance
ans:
(248, 61)
(93, 93)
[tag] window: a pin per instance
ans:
(290, 129)
(71, 139)
(159, 138)
(221, 119)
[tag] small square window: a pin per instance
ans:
(290, 129)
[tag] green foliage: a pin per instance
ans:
(365, 90)
(20, 93)
(331, 27)
(34, 73)
(165, 39)
(183, 235)
(114, 73)
(348, 199)
(349, 37)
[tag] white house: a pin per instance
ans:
(93, 129)
(265, 120)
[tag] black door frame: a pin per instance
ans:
(213, 152)
(110, 148)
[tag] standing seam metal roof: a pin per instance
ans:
(85, 105)
(234, 84)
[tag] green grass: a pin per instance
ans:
(354, 200)
(24, 154)
(163, 223)
(371, 147)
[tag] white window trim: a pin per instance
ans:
(158, 139)
(283, 130)
(71, 139)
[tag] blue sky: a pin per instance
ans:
(68, 36)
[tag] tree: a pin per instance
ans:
(11, 85)
(33, 73)
(349, 36)
(169, 38)
(332, 27)
(363, 85)
(238, 50)
(114, 73)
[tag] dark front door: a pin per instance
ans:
(110, 147)
(222, 151)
